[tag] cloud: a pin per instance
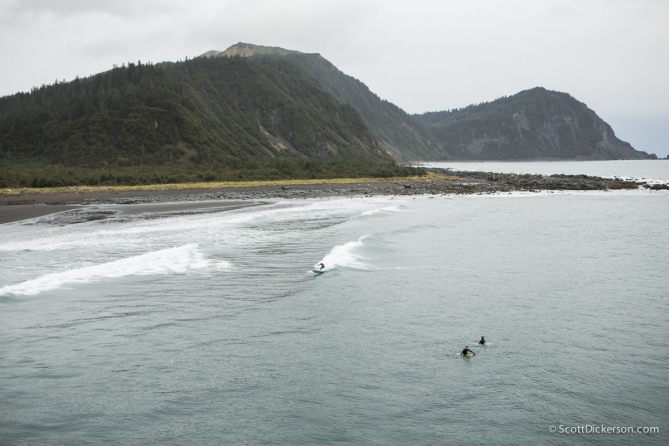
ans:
(301, 25)
(422, 55)
(124, 8)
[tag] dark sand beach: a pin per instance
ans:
(31, 205)
(13, 213)
(20, 212)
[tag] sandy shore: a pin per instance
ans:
(20, 212)
(13, 213)
(26, 206)
(31, 205)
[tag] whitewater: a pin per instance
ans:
(210, 328)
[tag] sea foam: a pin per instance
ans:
(179, 260)
(378, 211)
(345, 255)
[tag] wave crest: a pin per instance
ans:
(179, 260)
(378, 211)
(345, 255)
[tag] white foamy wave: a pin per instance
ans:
(345, 255)
(180, 260)
(378, 211)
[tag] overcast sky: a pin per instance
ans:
(421, 55)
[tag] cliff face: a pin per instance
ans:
(533, 124)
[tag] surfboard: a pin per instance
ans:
(468, 354)
(318, 271)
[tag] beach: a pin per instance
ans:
(33, 203)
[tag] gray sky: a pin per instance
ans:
(422, 55)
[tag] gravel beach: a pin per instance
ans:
(26, 206)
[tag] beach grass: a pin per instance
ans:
(215, 185)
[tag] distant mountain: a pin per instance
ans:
(233, 109)
(218, 111)
(533, 124)
(400, 133)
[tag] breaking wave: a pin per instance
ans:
(378, 211)
(179, 260)
(345, 255)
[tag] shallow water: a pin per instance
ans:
(210, 328)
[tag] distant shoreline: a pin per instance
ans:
(31, 203)
(531, 160)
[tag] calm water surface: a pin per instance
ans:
(210, 329)
(654, 170)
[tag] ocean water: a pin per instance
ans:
(211, 329)
(653, 171)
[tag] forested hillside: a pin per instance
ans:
(533, 124)
(201, 114)
(396, 130)
(212, 109)
(254, 112)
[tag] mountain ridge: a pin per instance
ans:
(215, 110)
(230, 112)
(541, 127)
(398, 132)
(532, 124)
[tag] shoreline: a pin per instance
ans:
(38, 203)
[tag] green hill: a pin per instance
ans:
(254, 112)
(210, 109)
(205, 114)
(398, 132)
(533, 124)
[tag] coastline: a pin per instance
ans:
(32, 203)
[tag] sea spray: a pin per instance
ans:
(345, 255)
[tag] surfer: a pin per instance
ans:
(482, 341)
(322, 266)
(465, 351)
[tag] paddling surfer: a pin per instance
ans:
(465, 351)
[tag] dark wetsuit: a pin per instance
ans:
(465, 351)
(322, 266)
(482, 341)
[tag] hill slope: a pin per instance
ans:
(228, 116)
(533, 124)
(400, 133)
(219, 111)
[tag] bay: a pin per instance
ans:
(210, 328)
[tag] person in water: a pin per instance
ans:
(322, 265)
(482, 341)
(465, 351)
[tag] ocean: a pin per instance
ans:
(209, 327)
